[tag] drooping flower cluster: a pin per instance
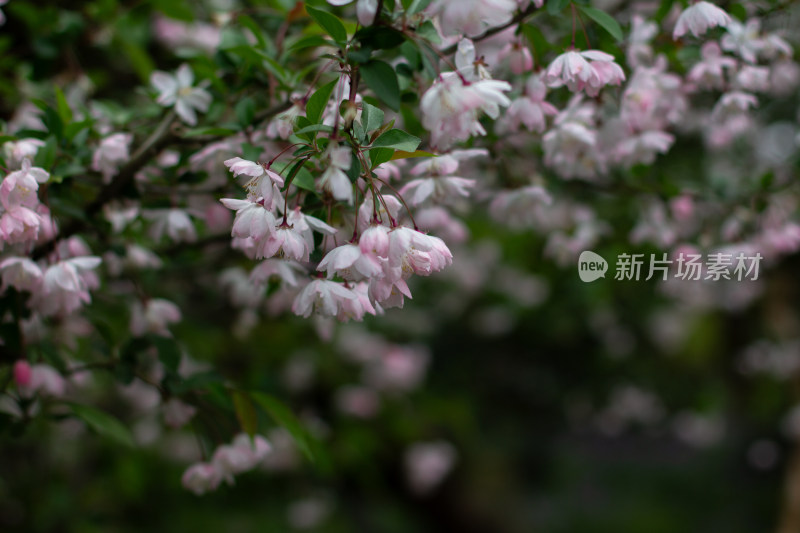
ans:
(242, 454)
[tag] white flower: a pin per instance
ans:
(334, 180)
(698, 18)
(590, 70)
(16, 151)
(201, 478)
(177, 90)
(112, 152)
(175, 223)
(743, 39)
(63, 288)
(262, 180)
(472, 17)
(321, 296)
(154, 317)
(20, 273)
(451, 106)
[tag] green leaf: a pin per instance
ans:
(397, 139)
(46, 155)
(415, 6)
(311, 41)
(250, 24)
(245, 111)
(313, 128)
(378, 156)
(283, 416)
(371, 117)
(250, 152)
(169, 353)
(318, 101)
(382, 79)
(554, 7)
(605, 20)
(245, 412)
(175, 9)
(103, 423)
(63, 108)
(197, 132)
(332, 25)
(400, 154)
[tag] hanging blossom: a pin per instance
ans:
(65, 286)
(263, 183)
(699, 18)
(112, 152)
(22, 215)
(589, 71)
(241, 455)
(531, 109)
(177, 90)
(440, 182)
(384, 258)
(153, 317)
(451, 107)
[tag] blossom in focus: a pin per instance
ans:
(177, 90)
(451, 106)
(588, 70)
(699, 18)
(321, 296)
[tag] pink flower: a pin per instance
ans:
(262, 181)
(201, 478)
(710, 72)
(351, 263)
(19, 188)
(334, 180)
(154, 317)
(698, 18)
(112, 152)
(16, 151)
(22, 373)
(356, 308)
(472, 17)
(590, 70)
(519, 55)
(252, 220)
(450, 108)
(20, 273)
(63, 288)
(243, 454)
(531, 109)
(174, 222)
(20, 224)
(177, 413)
(321, 296)
(42, 379)
(286, 241)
